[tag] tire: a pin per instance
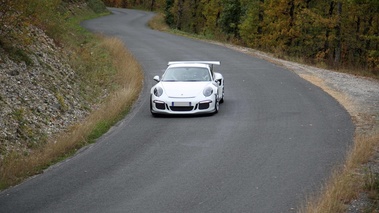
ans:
(151, 108)
(223, 93)
(222, 99)
(217, 106)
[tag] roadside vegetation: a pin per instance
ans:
(104, 63)
(349, 181)
(335, 34)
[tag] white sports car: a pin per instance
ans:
(187, 87)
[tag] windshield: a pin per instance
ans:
(186, 74)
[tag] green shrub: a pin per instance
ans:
(97, 6)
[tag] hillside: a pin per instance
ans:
(39, 96)
(61, 87)
(42, 88)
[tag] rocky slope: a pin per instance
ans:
(38, 97)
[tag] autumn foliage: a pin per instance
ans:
(336, 33)
(16, 16)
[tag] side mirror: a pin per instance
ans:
(156, 78)
(218, 78)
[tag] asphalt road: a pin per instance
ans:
(273, 143)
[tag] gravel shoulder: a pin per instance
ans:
(358, 95)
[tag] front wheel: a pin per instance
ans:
(223, 92)
(217, 105)
(151, 107)
(222, 97)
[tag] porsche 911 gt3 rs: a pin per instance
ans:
(187, 87)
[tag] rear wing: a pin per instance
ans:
(210, 63)
(194, 62)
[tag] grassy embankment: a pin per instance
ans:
(106, 65)
(348, 180)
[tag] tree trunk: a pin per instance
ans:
(180, 14)
(260, 17)
(337, 57)
(326, 43)
(152, 5)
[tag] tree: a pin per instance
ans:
(169, 16)
(211, 12)
(251, 26)
(337, 51)
(334, 32)
(362, 36)
(177, 11)
(230, 17)
(279, 21)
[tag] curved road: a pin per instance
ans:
(274, 141)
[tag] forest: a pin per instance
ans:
(338, 34)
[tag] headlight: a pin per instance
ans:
(158, 91)
(208, 91)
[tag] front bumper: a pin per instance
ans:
(182, 105)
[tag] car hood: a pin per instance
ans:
(183, 89)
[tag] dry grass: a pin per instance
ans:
(16, 168)
(346, 183)
(158, 23)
